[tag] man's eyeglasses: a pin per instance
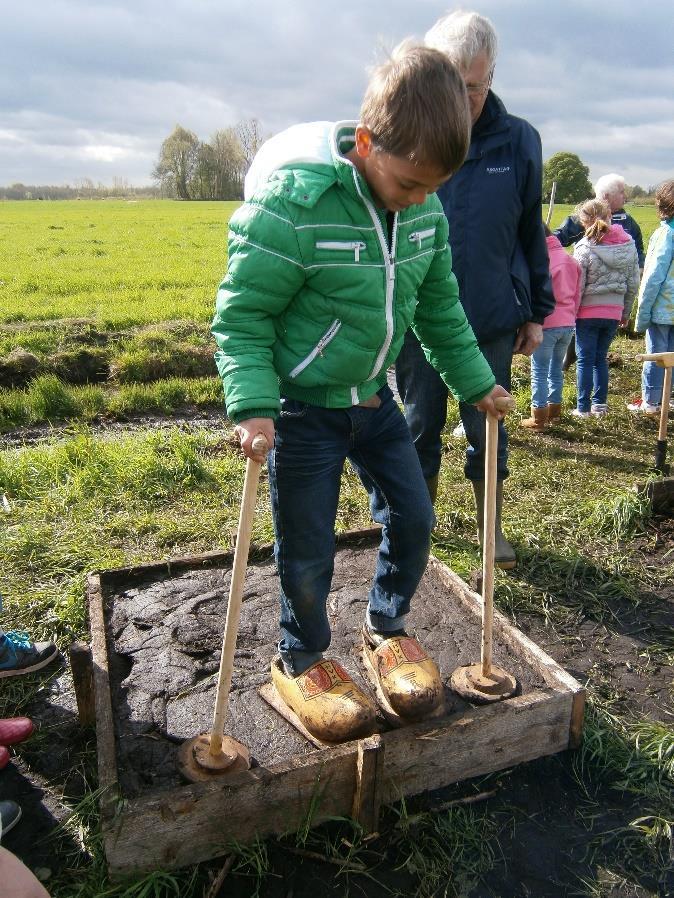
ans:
(477, 90)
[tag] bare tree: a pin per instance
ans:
(250, 137)
(230, 164)
(178, 159)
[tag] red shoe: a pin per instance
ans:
(4, 757)
(15, 729)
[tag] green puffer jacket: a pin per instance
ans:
(315, 304)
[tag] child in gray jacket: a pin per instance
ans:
(608, 286)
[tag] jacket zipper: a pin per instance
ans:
(355, 245)
(418, 236)
(389, 263)
(329, 335)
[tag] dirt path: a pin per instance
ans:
(189, 420)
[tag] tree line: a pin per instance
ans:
(82, 188)
(190, 169)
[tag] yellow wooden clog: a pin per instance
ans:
(409, 679)
(326, 700)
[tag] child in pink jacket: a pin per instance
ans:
(547, 377)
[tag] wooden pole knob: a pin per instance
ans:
(260, 447)
(260, 444)
(505, 403)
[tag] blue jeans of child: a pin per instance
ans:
(547, 377)
(659, 338)
(305, 469)
(424, 396)
(593, 338)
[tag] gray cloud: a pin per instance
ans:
(90, 89)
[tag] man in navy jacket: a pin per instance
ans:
(500, 258)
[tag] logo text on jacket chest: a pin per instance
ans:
(497, 169)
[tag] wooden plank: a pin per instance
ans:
(268, 692)
(105, 729)
(81, 666)
(577, 717)
(478, 741)
(367, 794)
(197, 822)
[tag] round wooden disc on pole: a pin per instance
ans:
(470, 683)
(199, 765)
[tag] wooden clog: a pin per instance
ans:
(408, 678)
(326, 700)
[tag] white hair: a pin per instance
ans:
(461, 36)
(608, 185)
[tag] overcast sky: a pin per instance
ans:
(90, 88)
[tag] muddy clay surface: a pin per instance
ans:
(167, 637)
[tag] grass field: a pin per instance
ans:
(112, 302)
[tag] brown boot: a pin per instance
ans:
(538, 421)
(554, 412)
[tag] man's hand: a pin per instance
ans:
(529, 337)
(247, 431)
(486, 404)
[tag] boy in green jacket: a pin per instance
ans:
(340, 246)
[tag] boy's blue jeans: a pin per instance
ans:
(547, 377)
(305, 469)
(593, 338)
(424, 395)
(659, 338)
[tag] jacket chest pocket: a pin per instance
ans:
(421, 237)
(327, 337)
(342, 246)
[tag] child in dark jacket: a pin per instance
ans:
(341, 246)
(547, 376)
(609, 283)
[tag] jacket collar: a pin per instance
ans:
(342, 139)
(491, 129)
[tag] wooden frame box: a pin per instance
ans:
(194, 823)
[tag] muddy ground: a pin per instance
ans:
(555, 831)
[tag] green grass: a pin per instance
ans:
(48, 400)
(84, 499)
(119, 263)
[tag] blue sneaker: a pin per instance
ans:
(18, 655)
(10, 814)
